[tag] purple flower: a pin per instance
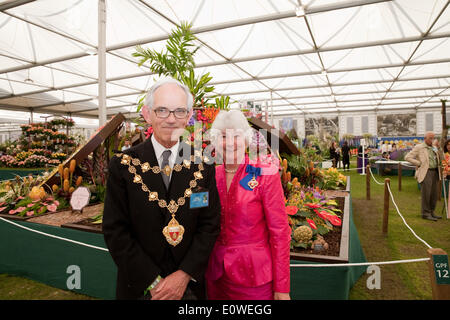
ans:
(317, 195)
(191, 121)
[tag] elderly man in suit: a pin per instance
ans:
(427, 161)
(158, 233)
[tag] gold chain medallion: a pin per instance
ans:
(173, 231)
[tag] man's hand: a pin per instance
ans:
(281, 296)
(171, 287)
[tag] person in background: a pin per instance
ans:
(446, 160)
(338, 156)
(427, 161)
(250, 260)
(333, 154)
(126, 145)
(346, 155)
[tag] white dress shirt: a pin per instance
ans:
(159, 149)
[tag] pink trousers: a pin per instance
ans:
(224, 289)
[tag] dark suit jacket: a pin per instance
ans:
(132, 225)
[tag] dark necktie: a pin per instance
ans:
(166, 178)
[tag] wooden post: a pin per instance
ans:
(399, 176)
(367, 183)
(439, 274)
(387, 182)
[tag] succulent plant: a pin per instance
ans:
(303, 234)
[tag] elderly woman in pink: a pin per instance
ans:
(250, 260)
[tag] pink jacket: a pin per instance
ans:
(253, 246)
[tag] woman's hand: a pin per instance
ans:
(281, 296)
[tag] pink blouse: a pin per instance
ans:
(253, 246)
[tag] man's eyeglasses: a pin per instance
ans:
(179, 113)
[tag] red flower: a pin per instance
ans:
(334, 220)
(148, 132)
(291, 210)
(312, 205)
(311, 224)
(322, 214)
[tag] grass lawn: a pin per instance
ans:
(399, 281)
(17, 288)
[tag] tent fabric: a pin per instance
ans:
(308, 56)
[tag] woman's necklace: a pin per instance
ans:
(230, 171)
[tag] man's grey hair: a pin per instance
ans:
(149, 97)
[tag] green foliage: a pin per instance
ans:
(197, 85)
(178, 57)
(177, 61)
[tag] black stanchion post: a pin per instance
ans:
(387, 182)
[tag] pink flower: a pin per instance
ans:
(2, 208)
(20, 209)
(30, 205)
(20, 198)
(49, 199)
(312, 205)
(12, 211)
(56, 203)
(291, 210)
(52, 207)
(30, 213)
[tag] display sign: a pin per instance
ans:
(80, 198)
(441, 269)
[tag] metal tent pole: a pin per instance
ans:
(101, 62)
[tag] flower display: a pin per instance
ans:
(309, 207)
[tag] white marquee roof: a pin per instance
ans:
(347, 55)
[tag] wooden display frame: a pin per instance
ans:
(286, 145)
(96, 140)
(344, 245)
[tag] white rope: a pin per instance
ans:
(404, 221)
(53, 236)
(359, 263)
(376, 181)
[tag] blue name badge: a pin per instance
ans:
(199, 200)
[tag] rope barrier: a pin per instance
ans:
(291, 265)
(55, 237)
(376, 181)
(404, 221)
(398, 211)
(358, 264)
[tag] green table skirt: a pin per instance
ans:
(332, 283)
(44, 259)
